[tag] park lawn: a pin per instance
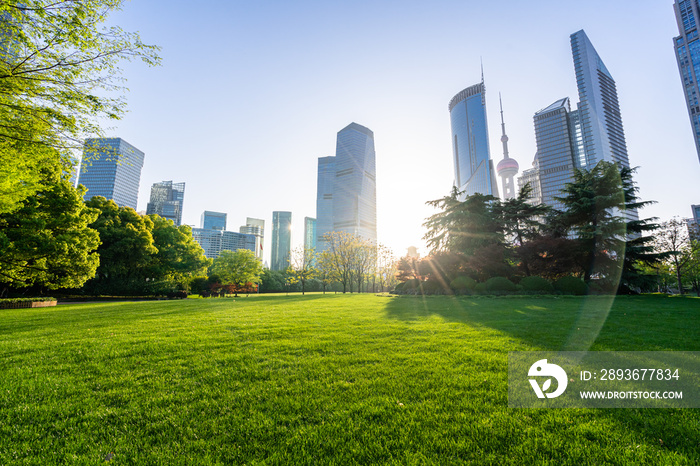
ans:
(322, 379)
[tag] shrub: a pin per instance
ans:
(462, 284)
(499, 284)
(399, 288)
(570, 285)
(537, 285)
(480, 288)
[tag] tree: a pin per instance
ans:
(593, 203)
(179, 256)
(301, 264)
(58, 78)
(126, 250)
(237, 269)
(692, 268)
(365, 259)
(674, 243)
(47, 242)
(339, 256)
(326, 270)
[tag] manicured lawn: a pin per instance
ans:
(324, 380)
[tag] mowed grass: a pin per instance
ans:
(322, 379)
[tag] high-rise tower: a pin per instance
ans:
(687, 46)
(281, 240)
(473, 166)
(112, 168)
(346, 198)
(506, 168)
(166, 200)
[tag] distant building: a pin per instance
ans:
(473, 166)
(215, 241)
(324, 199)
(346, 199)
(213, 220)
(111, 167)
(687, 48)
(309, 233)
(281, 240)
(412, 252)
(255, 227)
(694, 223)
(166, 200)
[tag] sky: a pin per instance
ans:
(250, 94)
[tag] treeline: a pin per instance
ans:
(596, 238)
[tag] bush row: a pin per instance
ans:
(463, 285)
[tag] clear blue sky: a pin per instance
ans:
(250, 94)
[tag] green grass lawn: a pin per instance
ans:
(332, 379)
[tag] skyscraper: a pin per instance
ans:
(255, 227)
(213, 220)
(166, 200)
(473, 166)
(346, 199)
(111, 168)
(324, 199)
(599, 109)
(687, 47)
(354, 187)
(309, 233)
(281, 240)
(507, 168)
(581, 138)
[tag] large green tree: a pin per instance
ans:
(59, 76)
(237, 269)
(126, 250)
(47, 243)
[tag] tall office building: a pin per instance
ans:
(111, 168)
(166, 200)
(355, 186)
(507, 168)
(213, 220)
(255, 227)
(599, 109)
(309, 233)
(557, 150)
(687, 47)
(346, 198)
(473, 166)
(281, 240)
(580, 138)
(215, 241)
(324, 199)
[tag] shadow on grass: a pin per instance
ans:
(639, 323)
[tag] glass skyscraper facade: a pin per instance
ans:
(281, 240)
(687, 47)
(598, 107)
(309, 233)
(568, 140)
(473, 166)
(213, 220)
(324, 199)
(111, 168)
(346, 199)
(166, 200)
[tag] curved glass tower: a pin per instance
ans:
(470, 142)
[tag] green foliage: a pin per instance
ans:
(480, 288)
(59, 77)
(499, 284)
(537, 285)
(238, 269)
(25, 300)
(47, 242)
(462, 284)
(571, 285)
(272, 281)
